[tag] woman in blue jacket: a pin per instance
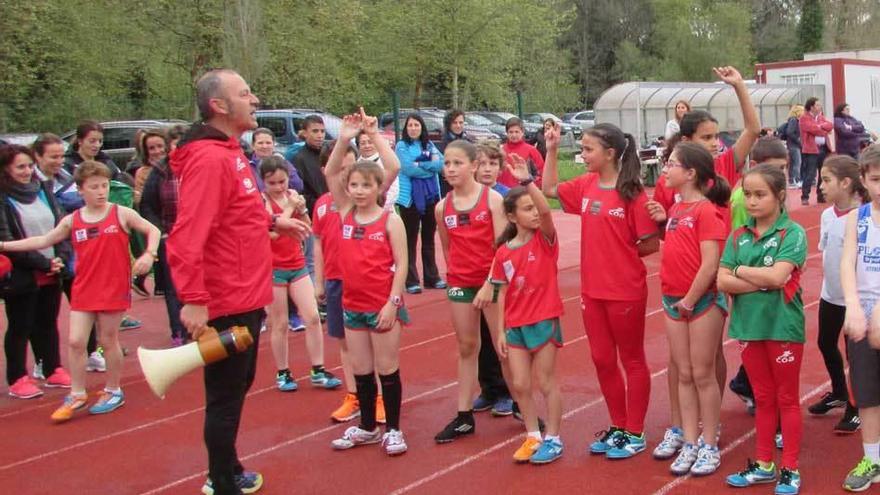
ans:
(420, 165)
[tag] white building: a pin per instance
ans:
(848, 76)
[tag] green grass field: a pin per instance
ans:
(568, 169)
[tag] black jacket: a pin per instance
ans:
(308, 166)
(24, 264)
(73, 158)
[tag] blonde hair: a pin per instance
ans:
(796, 111)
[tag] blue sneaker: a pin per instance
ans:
(503, 407)
(789, 482)
(549, 451)
(324, 379)
(482, 404)
(108, 402)
(753, 474)
(295, 323)
(605, 440)
(626, 445)
(247, 482)
(285, 382)
(129, 323)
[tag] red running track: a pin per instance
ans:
(155, 447)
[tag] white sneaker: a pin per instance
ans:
(708, 460)
(96, 362)
(355, 436)
(687, 456)
(394, 442)
(38, 371)
(672, 441)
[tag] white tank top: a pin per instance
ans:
(868, 259)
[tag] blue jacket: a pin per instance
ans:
(409, 168)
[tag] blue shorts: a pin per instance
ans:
(284, 278)
(534, 337)
(703, 305)
(335, 319)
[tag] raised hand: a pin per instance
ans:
(370, 124)
(552, 137)
(351, 126)
(518, 167)
(728, 74)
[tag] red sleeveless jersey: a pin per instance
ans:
(287, 253)
(368, 270)
(103, 264)
(327, 226)
(471, 241)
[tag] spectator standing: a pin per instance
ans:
(815, 131)
(848, 131)
(419, 192)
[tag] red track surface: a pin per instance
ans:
(151, 446)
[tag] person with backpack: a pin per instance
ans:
(790, 132)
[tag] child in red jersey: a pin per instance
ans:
(290, 279)
(525, 266)
(695, 310)
(616, 232)
(373, 248)
(469, 219)
(101, 292)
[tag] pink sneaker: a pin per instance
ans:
(24, 388)
(59, 379)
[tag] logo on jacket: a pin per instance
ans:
(771, 243)
(451, 221)
(585, 202)
(80, 235)
(248, 185)
(347, 230)
(111, 229)
(768, 260)
(483, 217)
(377, 236)
(322, 210)
(509, 270)
(239, 164)
(595, 207)
(617, 213)
(686, 222)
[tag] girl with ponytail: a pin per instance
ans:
(695, 310)
(616, 231)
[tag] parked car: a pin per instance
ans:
(433, 118)
(119, 136)
(285, 124)
(539, 118)
(584, 118)
(21, 138)
(501, 119)
(476, 120)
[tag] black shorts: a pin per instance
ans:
(864, 369)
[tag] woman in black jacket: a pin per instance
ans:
(33, 292)
(87, 146)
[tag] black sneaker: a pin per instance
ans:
(517, 415)
(825, 404)
(463, 424)
(138, 286)
(850, 422)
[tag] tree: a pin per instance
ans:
(811, 27)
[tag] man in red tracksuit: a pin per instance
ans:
(220, 260)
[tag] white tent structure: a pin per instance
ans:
(643, 108)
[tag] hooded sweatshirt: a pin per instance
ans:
(218, 249)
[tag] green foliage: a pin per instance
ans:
(811, 26)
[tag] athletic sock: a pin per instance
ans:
(284, 372)
(536, 435)
(318, 369)
(872, 451)
(554, 438)
(392, 392)
(112, 390)
(366, 394)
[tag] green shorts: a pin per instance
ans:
(533, 337)
(467, 294)
(705, 303)
(287, 277)
(356, 320)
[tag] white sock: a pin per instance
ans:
(535, 434)
(554, 438)
(872, 451)
(112, 390)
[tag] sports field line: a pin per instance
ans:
(483, 453)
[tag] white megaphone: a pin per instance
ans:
(163, 367)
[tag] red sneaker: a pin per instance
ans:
(24, 388)
(58, 379)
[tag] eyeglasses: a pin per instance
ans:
(674, 163)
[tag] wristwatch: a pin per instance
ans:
(526, 182)
(396, 300)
